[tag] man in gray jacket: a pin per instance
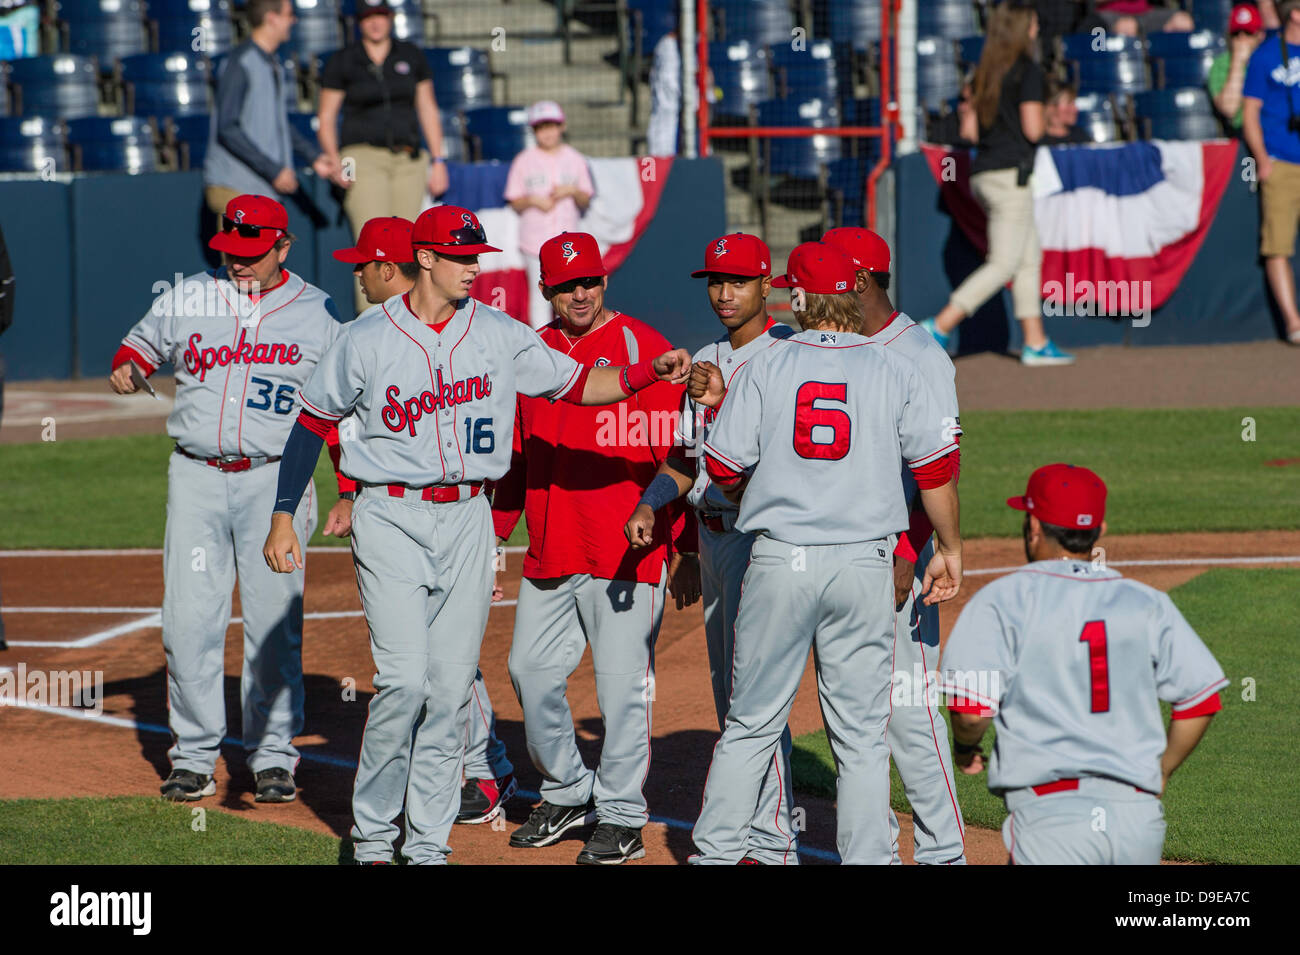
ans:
(251, 145)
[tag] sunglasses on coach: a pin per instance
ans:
(245, 229)
(587, 282)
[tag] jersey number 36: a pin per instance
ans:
(819, 432)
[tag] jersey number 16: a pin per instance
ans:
(812, 423)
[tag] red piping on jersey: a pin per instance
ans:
(947, 781)
(932, 456)
(649, 700)
(455, 410)
(720, 473)
(579, 377)
(1085, 580)
(795, 341)
(126, 353)
(317, 413)
(432, 386)
(780, 797)
(886, 325)
(314, 424)
(1200, 708)
(243, 395)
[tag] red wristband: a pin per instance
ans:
(638, 376)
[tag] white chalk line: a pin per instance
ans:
(328, 759)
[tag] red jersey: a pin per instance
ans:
(578, 472)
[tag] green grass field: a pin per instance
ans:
(1229, 803)
(112, 492)
(141, 830)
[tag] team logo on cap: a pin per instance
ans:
(568, 252)
(380, 253)
(1085, 520)
(239, 215)
(466, 218)
(720, 248)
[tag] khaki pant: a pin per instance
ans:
(1014, 255)
(217, 197)
(1279, 210)
(385, 183)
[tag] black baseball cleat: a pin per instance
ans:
(612, 845)
(482, 800)
(275, 785)
(548, 822)
(185, 786)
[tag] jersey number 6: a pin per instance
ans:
(808, 416)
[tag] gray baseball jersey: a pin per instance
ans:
(814, 414)
(239, 365)
(433, 408)
(1073, 658)
(696, 419)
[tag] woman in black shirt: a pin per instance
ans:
(1005, 116)
(387, 87)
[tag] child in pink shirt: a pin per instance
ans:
(550, 187)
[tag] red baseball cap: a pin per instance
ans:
(381, 240)
(736, 254)
(1064, 495)
(570, 255)
(250, 226)
(819, 268)
(450, 229)
(867, 250)
(1245, 18)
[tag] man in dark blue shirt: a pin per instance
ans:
(1271, 128)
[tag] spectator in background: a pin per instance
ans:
(1267, 14)
(1061, 116)
(1128, 17)
(387, 88)
(251, 145)
(1005, 116)
(1057, 18)
(550, 187)
(665, 97)
(1271, 127)
(1228, 71)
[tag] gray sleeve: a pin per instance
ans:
(539, 368)
(925, 433)
(1186, 672)
(735, 438)
(152, 336)
(336, 385)
(978, 665)
(232, 87)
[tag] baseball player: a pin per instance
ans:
(575, 473)
(806, 424)
(244, 339)
(383, 262)
(432, 377)
(917, 736)
(1070, 660)
(738, 269)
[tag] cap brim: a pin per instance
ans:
(782, 281)
(1018, 503)
(457, 249)
(352, 256)
(703, 273)
(233, 244)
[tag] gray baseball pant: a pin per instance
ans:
(620, 619)
(424, 570)
(485, 755)
(838, 598)
(723, 560)
(1103, 822)
(216, 527)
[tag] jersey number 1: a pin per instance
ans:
(1094, 635)
(808, 416)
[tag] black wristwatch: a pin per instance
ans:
(347, 495)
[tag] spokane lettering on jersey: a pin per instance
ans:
(401, 415)
(199, 360)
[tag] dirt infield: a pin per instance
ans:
(48, 754)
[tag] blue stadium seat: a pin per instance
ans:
(801, 157)
(938, 79)
(462, 77)
(166, 84)
(105, 29)
(193, 26)
(970, 48)
(189, 135)
(453, 136)
(1183, 59)
(4, 95)
(653, 19)
(855, 22)
(809, 73)
(305, 123)
(319, 28)
(764, 22)
(847, 180)
(950, 19)
(62, 86)
(114, 144)
(1097, 117)
(861, 112)
(1177, 114)
(1107, 64)
(32, 145)
(498, 132)
(741, 77)
(1081, 46)
(1211, 14)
